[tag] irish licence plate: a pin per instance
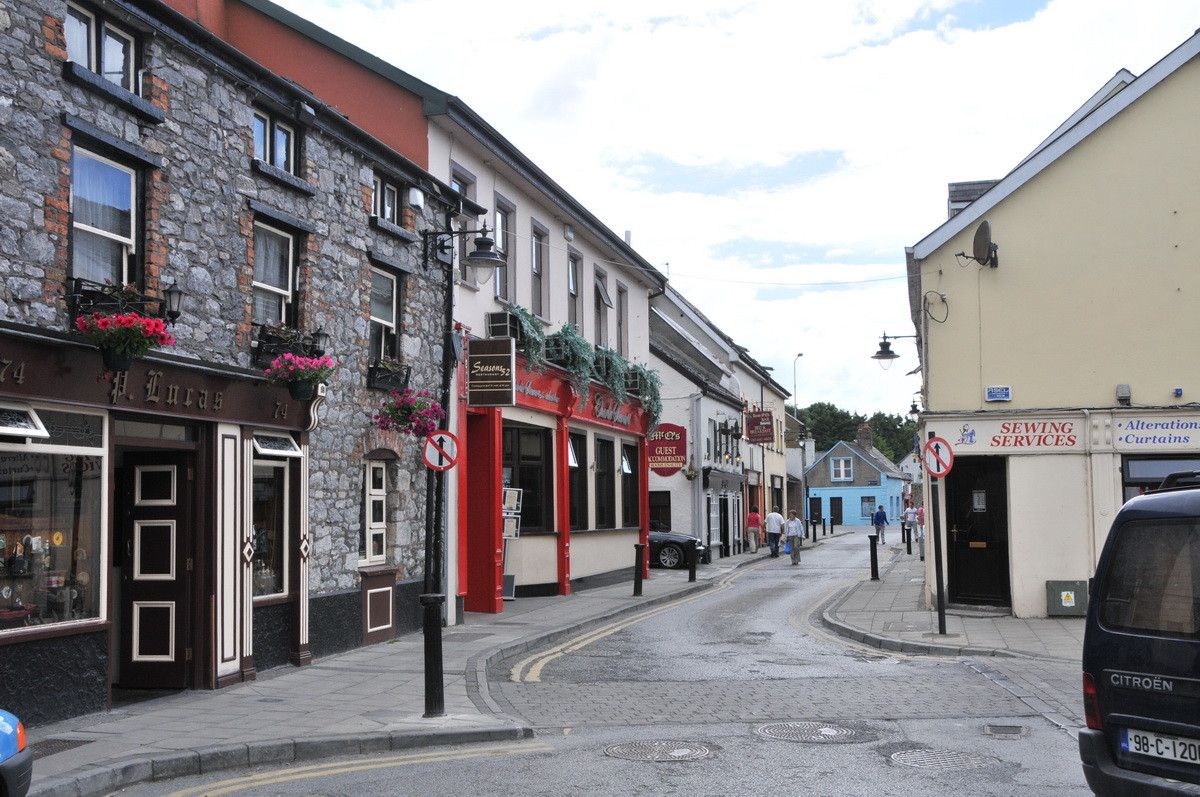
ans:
(1176, 748)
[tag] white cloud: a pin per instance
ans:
(908, 98)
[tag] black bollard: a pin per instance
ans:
(639, 565)
(435, 695)
(908, 535)
(874, 557)
(693, 559)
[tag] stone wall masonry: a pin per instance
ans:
(197, 232)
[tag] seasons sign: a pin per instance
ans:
(667, 448)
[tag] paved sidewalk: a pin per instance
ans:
(372, 699)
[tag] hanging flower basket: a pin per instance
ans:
(123, 337)
(410, 412)
(301, 374)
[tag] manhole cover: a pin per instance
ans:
(48, 747)
(808, 732)
(658, 751)
(942, 759)
(1006, 731)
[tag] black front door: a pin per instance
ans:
(154, 550)
(977, 531)
(835, 511)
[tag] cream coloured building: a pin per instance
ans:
(1053, 315)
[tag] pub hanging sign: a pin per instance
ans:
(666, 447)
(491, 373)
(760, 426)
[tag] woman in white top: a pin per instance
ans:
(794, 530)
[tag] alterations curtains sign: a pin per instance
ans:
(760, 426)
(667, 448)
(491, 373)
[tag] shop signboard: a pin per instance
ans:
(667, 448)
(760, 426)
(491, 373)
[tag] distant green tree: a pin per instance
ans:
(828, 424)
(893, 435)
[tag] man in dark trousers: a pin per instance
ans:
(880, 520)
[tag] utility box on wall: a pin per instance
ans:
(1066, 598)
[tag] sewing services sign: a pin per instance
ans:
(667, 448)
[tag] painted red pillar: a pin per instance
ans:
(562, 503)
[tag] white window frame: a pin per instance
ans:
(98, 32)
(502, 221)
(841, 469)
(538, 248)
(374, 531)
(574, 273)
(622, 311)
(288, 294)
(381, 329)
(267, 150)
(386, 199)
(128, 243)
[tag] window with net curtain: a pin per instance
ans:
(102, 234)
(273, 254)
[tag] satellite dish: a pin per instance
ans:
(984, 250)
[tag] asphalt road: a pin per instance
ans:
(735, 691)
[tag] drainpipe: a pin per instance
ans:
(1091, 491)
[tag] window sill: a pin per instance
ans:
(282, 177)
(393, 229)
(143, 109)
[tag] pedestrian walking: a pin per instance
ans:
(794, 531)
(774, 530)
(921, 530)
(753, 528)
(910, 522)
(880, 520)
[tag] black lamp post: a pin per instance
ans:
(437, 244)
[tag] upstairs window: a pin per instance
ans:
(601, 305)
(841, 469)
(537, 272)
(101, 46)
(274, 142)
(574, 267)
(102, 219)
(622, 321)
(387, 200)
(503, 219)
(385, 314)
(274, 275)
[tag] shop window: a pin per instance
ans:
(372, 539)
(606, 484)
(867, 506)
(51, 528)
(103, 219)
(101, 46)
(631, 501)
(841, 469)
(526, 466)
(578, 463)
(269, 514)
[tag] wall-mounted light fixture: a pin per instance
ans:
(885, 355)
(95, 297)
(484, 259)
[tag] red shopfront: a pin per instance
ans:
(582, 476)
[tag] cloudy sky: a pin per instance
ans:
(773, 157)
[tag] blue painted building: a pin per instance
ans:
(847, 483)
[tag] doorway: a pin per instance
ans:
(153, 551)
(835, 510)
(977, 532)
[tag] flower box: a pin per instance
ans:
(388, 376)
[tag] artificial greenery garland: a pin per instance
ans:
(568, 349)
(650, 393)
(533, 337)
(610, 367)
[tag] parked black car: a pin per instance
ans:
(669, 549)
(1141, 649)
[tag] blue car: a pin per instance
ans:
(16, 759)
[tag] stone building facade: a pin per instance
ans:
(180, 521)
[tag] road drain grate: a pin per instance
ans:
(809, 732)
(1006, 731)
(942, 759)
(48, 747)
(658, 751)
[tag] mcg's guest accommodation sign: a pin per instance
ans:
(667, 448)
(491, 373)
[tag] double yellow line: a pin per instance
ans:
(529, 669)
(341, 767)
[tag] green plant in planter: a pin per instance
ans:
(568, 349)
(533, 337)
(650, 393)
(610, 368)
